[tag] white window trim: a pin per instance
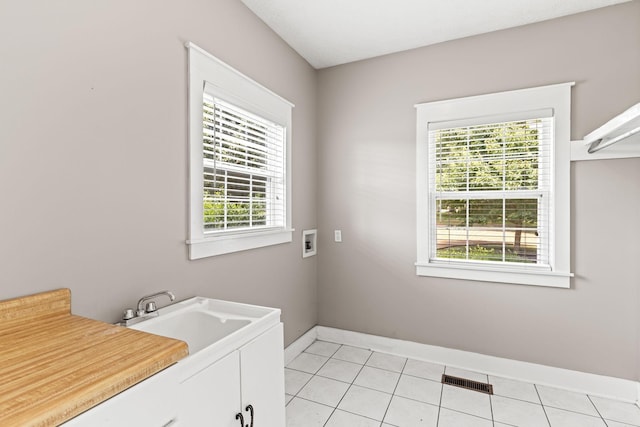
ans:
(240, 90)
(556, 97)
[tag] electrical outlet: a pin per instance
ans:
(337, 236)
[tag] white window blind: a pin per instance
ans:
(489, 192)
(243, 169)
(239, 160)
(493, 189)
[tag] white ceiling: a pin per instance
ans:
(332, 32)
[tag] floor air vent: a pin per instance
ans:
(468, 384)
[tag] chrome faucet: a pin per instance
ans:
(151, 307)
(131, 317)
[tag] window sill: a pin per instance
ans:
(517, 277)
(225, 244)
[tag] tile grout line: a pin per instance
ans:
(596, 408)
(348, 388)
(316, 373)
(525, 401)
(312, 375)
(313, 401)
(303, 386)
(369, 388)
(323, 355)
(383, 369)
(576, 412)
(440, 401)
(541, 404)
(393, 393)
(572, 411)
(343, 410)
(444, 371)
(403, 372)
(493, 420)
(462, 411)
(472, 415)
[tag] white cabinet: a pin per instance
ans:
(247, 384)
(212, 396)
(262, 379)
(239, 377)
(150, 403)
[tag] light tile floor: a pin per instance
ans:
(336, 385)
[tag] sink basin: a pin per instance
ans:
(197, 328)
(208, 324)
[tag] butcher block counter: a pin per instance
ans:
(54, 365)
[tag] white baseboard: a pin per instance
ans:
(298, 346)
(582, 382)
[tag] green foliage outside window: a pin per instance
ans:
(238, 213)
(488, 158)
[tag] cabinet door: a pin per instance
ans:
(262, 379)
(151, 402)
(211, 398)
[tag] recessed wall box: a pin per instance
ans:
(309, 238)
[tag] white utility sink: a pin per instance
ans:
(209, 324)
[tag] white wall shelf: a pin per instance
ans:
(618, 138)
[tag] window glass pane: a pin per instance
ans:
(213, 204)
(451, 229)
(234, 200)
(522, 236)
(487, 181)
(243, 168)
(503, 230)
(500, 156)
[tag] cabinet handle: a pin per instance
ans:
(241, 418)
(250, 409)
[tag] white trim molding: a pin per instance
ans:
(582, 382)
(298, 346)
(554, 100)
(218, 79)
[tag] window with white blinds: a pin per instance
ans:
(493, 187)
(489, 188)
(239, 160)
(243, 169)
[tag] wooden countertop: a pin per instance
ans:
(54, 365)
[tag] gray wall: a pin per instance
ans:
(93, 144)
(366, 147)
(93, 176)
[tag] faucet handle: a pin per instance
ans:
(150, 307)
(128, 314)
